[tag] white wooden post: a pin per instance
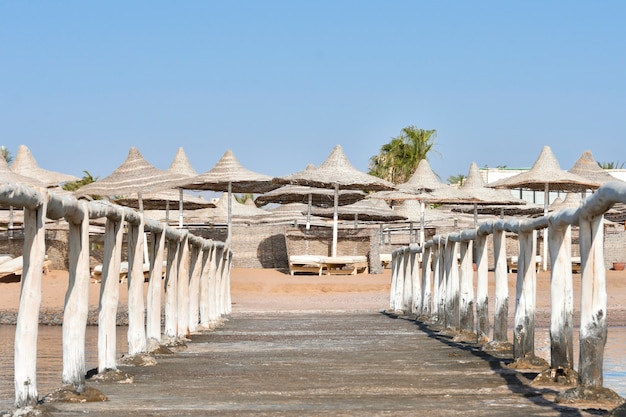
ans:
(109, 292)
(482, 287)
(136, 325)
(194, 286)
(452, 285)
(593, 326)
(561, 296)
(466, 284)
(26, 330)
(218, 282)
(501, 276)
(213, 261)
(407, 287)
(416, 290)
(155, 288)
(228, 308)
(524, 330)
(76, 308)
(171, 289)
(205, 316)
(427, 299)
(183, 288)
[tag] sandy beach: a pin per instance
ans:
(268, 290)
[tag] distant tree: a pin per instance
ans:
(611, 165)
(457, 179)
(6, 154)
(399, 158)
(75, 185)
(242, 198)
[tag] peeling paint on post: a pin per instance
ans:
(136, 325)
(205, 320)
(76, 301)
(416, 287)
(593, 327)
(426, 305)
(171, 289)
(26, 329)
(482, 287)
(155, 287)
(183, 288)
(407, 282)
(109, 293)
(524, 330)
(501, 312)
(452, 285)
(466, 287)
(194, 287)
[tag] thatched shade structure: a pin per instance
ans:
(161, 200)
(181, 165)
(135, 175)
(26, 165)
(228, 175)
(369, 210)
(338, 173)
(224, 211)
(588, 168)
(320, 197)
(8, 175)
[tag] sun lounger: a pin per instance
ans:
(96, 274)
(346, 265)
(10, 265)
(306, 263)
(385, 259)
(511, 263)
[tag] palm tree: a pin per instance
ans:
(242, 198)
(399, 158)
(456, 179)
(75, 185)
(6, 154)
(611, 165)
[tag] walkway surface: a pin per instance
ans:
(323, 364)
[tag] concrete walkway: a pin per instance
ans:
(322, 364)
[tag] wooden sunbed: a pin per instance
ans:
(511, 263)
(346, 265)
(306, 264)
(96, 274)
(385, 259)
(10, 265)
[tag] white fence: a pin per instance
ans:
(196, 285)
(440, 288)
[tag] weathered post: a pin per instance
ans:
(26, 329)
(501, 277)
(561, 295)
(407, 285)
(213, 261)
(593, 327)
(183, 288)
(155, 288)
(466, 287)
(76, 299)
(426, 304)
(109, 291)
(171, 289)
(482, 287)
(136, 325)
(416, 287)
(228, 307)
(205, 317)
(194, 285)
(452, 285)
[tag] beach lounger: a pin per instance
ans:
(346, 265)
(511, 263)
(10, 265)
(306, 264)
(96, 274)
(385, 259)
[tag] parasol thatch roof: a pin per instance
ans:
(423, 179)
(546, 170)
(229, 170)
(135, 175)
(588, 168)
(219, 214)
(26, 165)
(7, 175)
(181, 165)
(321, 197)
(337, 171)
(475, 187)
(373, 210)
(161, 200)
(571, 200)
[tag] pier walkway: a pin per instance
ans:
(323, 364)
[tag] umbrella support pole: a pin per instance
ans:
(335, 220)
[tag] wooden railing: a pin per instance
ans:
(197, 284)
(439, 288)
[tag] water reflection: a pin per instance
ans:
(49, 358)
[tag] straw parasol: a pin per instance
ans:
(134, 175)
(371, 210)
(546, 174)
(588, 168)
(338, 173)
(228, 175)
(224, 211)
(26, 165)
(180, 166)
(160, 201)
(6, 175)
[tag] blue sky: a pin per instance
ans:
(280, 83)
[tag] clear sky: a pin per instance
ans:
(280, 83)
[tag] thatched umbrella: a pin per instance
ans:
(228, 175)
(371, 210)
(588, 168)
(475, 186)
(134, 175)
(225, 210)
(26, 165)
(546, 174)
(161, 200)
(338, 173)
(180, 166)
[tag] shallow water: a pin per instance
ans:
(49, 358)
